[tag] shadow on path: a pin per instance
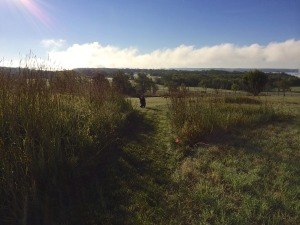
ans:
(133, 175)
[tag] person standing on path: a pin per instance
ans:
(142, 101)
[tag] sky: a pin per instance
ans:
(150, 33)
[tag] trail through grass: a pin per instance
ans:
(150, 152)
(137, 180)
(246, 176)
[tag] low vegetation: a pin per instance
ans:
(74, 151)
(242, 166)
(196, 118)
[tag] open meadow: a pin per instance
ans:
(84, 154)
(243, 168)
(150, 112)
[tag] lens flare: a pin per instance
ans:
(36, 11)
(34, 8)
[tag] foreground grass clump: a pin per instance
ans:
(195, 118)
(52, 145)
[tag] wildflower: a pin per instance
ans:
(177, 140)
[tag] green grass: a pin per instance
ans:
(246, 176)
(97, 160)
(295, 89)
(195, 118)
(52, 145)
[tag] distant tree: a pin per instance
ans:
(203, 84)
(154, 87)
(100, 81)
(183, 90)
(66, 81)
(282, 85)
(158, 80)
(255, 81)
(144, 84)
(234, 87)
(99, 87)
(121, 83)
(172, 86)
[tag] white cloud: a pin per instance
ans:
(274, 55)
(52, 43)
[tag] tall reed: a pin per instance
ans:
(54, 131)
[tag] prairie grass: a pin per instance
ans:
(73, 151)
(248, 173)
(54, 137)
(194, 118)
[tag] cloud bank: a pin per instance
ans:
(274, 55)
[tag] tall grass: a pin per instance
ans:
(54, 132)
(248, 177)
(194, 118)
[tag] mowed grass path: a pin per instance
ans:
(153, 164)
(247, 176)
(141, 174)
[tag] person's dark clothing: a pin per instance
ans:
(143, 102)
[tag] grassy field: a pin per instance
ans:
(245, 175)
(55, 140)
(295, 89)
(76, 156)
(162, 90)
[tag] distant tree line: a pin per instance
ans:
(134, 82)
(139, 81)
(225, 80)
(128, 84)
(134, 85)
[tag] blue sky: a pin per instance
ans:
(153, 34)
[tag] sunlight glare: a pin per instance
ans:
(33, 8)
